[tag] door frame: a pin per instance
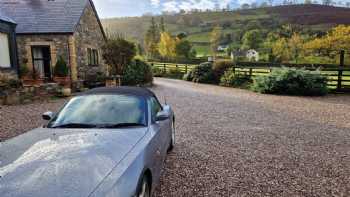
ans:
(43, 59)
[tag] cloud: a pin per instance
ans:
(175, 6)
(155, 3)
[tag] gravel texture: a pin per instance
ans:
(20, 118)
(233, 142)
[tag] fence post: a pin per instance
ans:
(164, 68)
(340, 71)
(186, 68)
(250, 72)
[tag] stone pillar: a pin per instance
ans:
(73, 58)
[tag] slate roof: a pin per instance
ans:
(6, 19)
(44, 16)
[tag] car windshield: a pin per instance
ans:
(101, 111)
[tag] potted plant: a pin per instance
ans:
(61, 72)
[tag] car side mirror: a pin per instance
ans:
(48, 115)
(162, 115)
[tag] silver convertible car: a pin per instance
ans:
(104, 142)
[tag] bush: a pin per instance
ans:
(220, 67)
(158, 72)
(232, 79)
(23, 70)
(137, 73)
(291, 81)
(188, 76)
(61, 69)
(174, 73)
(203, 73)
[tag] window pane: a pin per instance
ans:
(4, 51)
(38, 61)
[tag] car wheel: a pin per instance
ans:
(144, 190)
(172, 142)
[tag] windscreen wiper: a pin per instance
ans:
(75, 126)
(121, 125)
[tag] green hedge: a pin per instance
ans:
(202, 73)
(137, 73)
(220, 67)
(291, 81)
(61, 68)
(234, 79)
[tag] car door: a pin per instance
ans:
(162, 126)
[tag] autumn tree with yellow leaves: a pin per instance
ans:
(337, 39)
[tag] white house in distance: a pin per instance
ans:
(251, 55)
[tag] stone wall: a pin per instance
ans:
(88, 35)
(58, 46)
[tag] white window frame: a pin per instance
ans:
(5, 54)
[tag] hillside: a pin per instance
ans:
(198, 25)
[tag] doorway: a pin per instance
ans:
(42, 62)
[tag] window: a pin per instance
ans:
(4, 51)
(155, 108)
(92, 56)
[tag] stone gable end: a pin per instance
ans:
(88, 35)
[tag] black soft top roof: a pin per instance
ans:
(124, 90)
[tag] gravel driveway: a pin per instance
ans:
(233, 142)
(237, 143)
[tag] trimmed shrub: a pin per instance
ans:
(61, 68)
(188, 76)
(23, 70)
(158, 72)
(220, 67)
(291, 81)
(203, 73)
(174, 73)
(137, 72)
(232, 79)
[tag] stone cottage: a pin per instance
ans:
(8, 52)
(50, 29)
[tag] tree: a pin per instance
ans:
(251, 40)
(162, 24)
(183, 49)
(245, 6)
(337, 39)
(280, 50)
(151, 39)
(118, 53)
(167, 45)
(181, 35)
(215, 37)
(295, 44)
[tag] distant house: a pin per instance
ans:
(8, 52)
(49, 29)
(251, 55)
(222, 48)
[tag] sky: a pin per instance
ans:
(121, 8)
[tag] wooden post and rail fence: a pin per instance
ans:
(338, 75)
